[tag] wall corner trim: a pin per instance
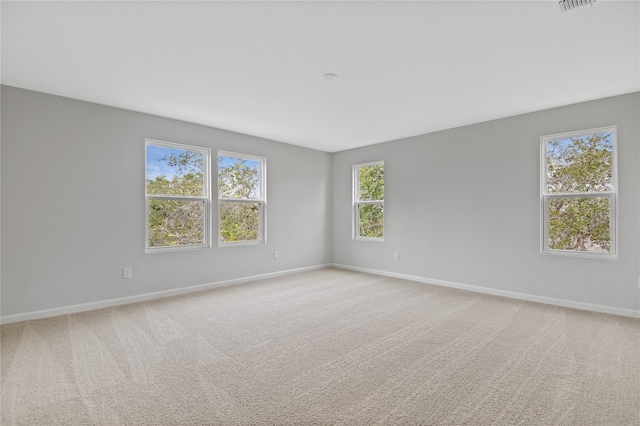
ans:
(504, 293)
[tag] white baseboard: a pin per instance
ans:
(505, 293)
(46, 313)
(64, 310)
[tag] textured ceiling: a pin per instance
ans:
(404, 68)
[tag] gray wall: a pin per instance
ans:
(462, 205)
(73, 205)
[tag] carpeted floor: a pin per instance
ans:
(328, 347)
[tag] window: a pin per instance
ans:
(177, 196)
(578, 193)
(368, 201)
(241, 198)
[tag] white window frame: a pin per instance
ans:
(546, 196)
(262, 201)
(356, 203)
(206, 198)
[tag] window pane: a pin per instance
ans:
(580, 224)
(371, 183)
(176, 223)
(174, 171)
(238, 178)
(580, 164)
(371, 220)
(239, 221)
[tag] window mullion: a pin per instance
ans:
(176, 197)
(239, 200)
(580, 194)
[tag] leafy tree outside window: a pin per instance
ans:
(241, 198)
(368, 204)
(579, 189)
(177, 196)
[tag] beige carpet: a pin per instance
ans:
(319, 348)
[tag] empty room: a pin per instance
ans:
(320, 213)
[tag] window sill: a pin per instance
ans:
(176, 249)
(374, 240)
(583, 255)
(241, 243)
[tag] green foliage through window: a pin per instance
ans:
(371, 220)
(580, 224)
(176, 223)
(176, 196)
(580, 164)
(239, 221)
(579, 191)
(240, 198)
(369, 201)
(371, 183)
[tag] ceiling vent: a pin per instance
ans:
(572, 4)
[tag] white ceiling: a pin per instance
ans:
(404, 68)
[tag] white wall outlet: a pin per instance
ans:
(127, 273)
(276, 255)
(396, 255)
(638, 282)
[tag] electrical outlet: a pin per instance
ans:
(396, 255)
(276, 255)
(127, 273)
